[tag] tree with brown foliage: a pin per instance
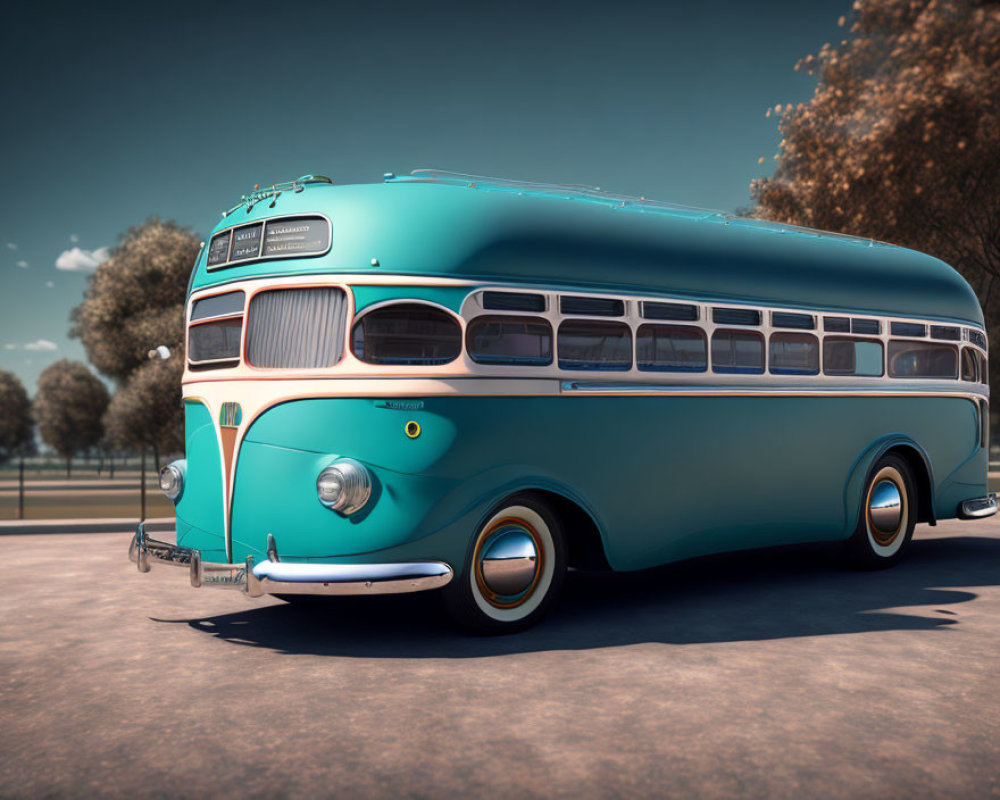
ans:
(69, 406)
(143, 414)
(901, 141)
(134, 302)
(16, 426)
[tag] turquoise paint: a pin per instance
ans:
(450, 297)
(437, 230)
(200, 522)
(666, 478)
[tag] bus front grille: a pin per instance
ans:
(296, 328)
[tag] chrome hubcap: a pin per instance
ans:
(885, 507)
(508, 564)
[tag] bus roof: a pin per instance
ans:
(443, 224)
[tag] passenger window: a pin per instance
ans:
(407, 333)
(922, 360)
(737, 352)
(215, 341)
(671, 348)
(786, 319)
(593, 345)
(672, 311)
(866, 326)
(984, 374)
(735, 316)
(969, 364)
(852, 357)
(592, 306)
(794, 354)
(519, 341)
(908, 329)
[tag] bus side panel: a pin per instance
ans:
(667, 477)
(968, 479)
(200, 521)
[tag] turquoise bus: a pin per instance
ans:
(444, 382)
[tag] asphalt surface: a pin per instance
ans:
(768, 674)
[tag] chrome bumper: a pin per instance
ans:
(979, 507)
(282, 577)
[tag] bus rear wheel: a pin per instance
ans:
(514, 570)
(887, 518)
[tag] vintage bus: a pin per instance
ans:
(471, 385)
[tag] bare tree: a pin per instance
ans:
(68, 409)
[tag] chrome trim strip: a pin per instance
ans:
(282, 577)
(578, 387)
(979, 507)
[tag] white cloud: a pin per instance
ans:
(73, 238)
(11, 246)
(10, 347)
(22, 264)
(49, 284)
(79, 260)
(41, 345)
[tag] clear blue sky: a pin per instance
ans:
(112, 113)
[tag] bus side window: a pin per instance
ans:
(592, 345)
(842, 356)
(737, 352)
(671, 348)
(518, 341)
(922, 360)
(969, 365)
(407, 333)
(794, 354)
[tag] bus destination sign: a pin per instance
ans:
(218, 250)
(246, 242)
(284, 237)
(288, 237)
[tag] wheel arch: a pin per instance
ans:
(920, 467)
(583, 538)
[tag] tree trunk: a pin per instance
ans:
(20, 490)
(142, 486)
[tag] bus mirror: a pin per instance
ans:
(160, 352)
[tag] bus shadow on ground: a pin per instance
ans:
(750, 596)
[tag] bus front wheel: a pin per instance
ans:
(514, 570)
(887, 517)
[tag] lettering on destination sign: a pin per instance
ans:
(218, 250)
(246, 243)
(289, 237)
(282, 238)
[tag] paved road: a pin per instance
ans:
(758, 675)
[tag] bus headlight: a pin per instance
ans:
(172, 480)
(344, 486)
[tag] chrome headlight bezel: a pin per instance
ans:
(345, 486)
(172, 480)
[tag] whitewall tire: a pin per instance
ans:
(514, 569)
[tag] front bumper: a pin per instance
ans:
(283, 577)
